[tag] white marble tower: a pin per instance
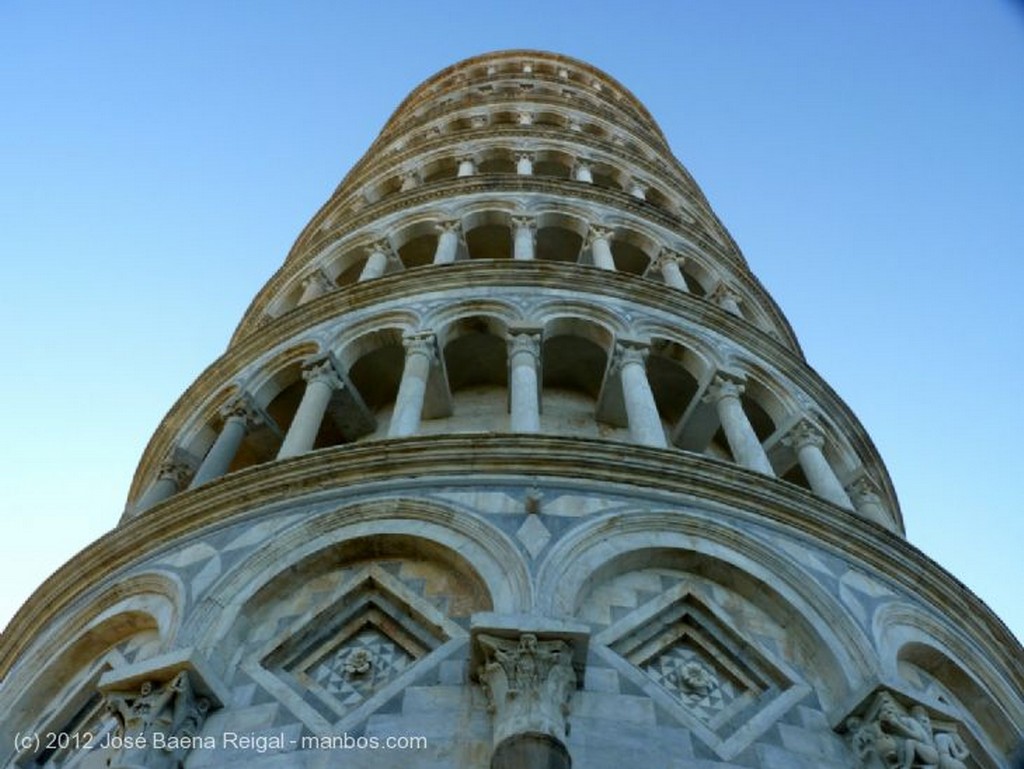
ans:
(512, 464)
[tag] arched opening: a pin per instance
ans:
(488, 236)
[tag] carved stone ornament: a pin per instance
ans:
(528, 683)
(891, 736)
(158, 723)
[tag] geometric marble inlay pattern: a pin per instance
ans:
(706, 668)
(360, 666)
(344, 654)
(681, 669)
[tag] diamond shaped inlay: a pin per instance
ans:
(533, 534)
(353, 653)
(689, 658)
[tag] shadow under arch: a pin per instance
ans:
(619, 542)
(149, 603)
(487, 554)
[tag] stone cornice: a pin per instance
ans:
(454, 459)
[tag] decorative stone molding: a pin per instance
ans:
(804, 433)
(160, 706)
(889, 733)
(323, 370)
(242, 409)
(529, 668)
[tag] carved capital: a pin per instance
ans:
(382, 246)
(242, 409)
(723, 387)
(420, 343)
(864, 491)
(524, 118)
(629, 352)
(172, 708)
(598, 232)
(317, 279)
(528, 683)
(479, 121)
(524, 223)
(322, 370)
(177, 468)
(666, 257)
(889, 733)
(526, 155)
(804, 433)
(723, 294)
(449, 225)
(524, 341)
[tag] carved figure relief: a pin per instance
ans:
(156, 714)
(890, 736)
(528, 683)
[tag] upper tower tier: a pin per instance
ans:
(520, 255)
(530, 132)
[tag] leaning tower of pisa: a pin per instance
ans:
(513, 464)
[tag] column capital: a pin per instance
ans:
(637, 187)
(242, 409)
(382, 246)
(723, 386)
(599, 232)
(319, 279)
(420, 343)
(176, 467)
(465, 157)
(629, 351)
(668, 256)
(322, 369)
(863, 490)
(524, 117)
(525, 155)
(449, 225)
(524, 221)
(585, 163)
(723, 292)
(524, 339)
(804, 433)
(479, 121)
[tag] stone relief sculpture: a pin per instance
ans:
(157, 723)
(891, 737)
(528, 683)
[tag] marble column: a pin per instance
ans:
(582, 173)
(524, 238)
(868, 501)
(420, 352)
(239, 416)
(171, 477)
(467, 166)
(313, 285)
(524, 118)
(524, 345)
(524, 163)
(807, 440)
(637, 189)
(449, 233)
(322, 379)
(641, 411)
(599, 239)
(377, 261)
(727, 299)
(746, 447)
(669, 264)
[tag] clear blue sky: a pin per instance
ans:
(158, 159)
